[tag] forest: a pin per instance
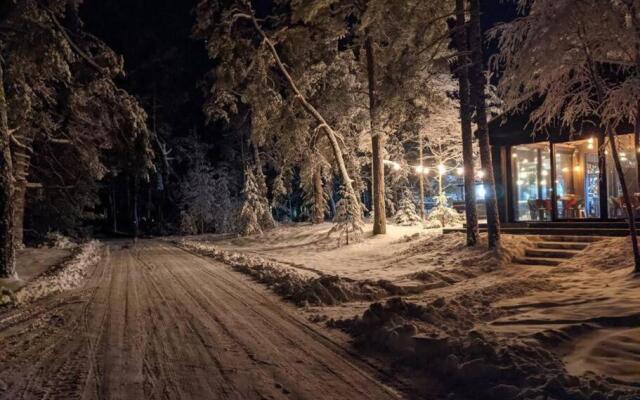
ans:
(290, 139)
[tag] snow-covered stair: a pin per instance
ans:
(553, 250)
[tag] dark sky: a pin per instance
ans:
(154, 36)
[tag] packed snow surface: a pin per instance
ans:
(479, 325)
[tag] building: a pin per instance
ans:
(560, 176)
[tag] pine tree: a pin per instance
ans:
(255, 214)
(407, 214)
(348, 219)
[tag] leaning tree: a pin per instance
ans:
(257, 69)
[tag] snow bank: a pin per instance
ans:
(314, 289)
(471, 363)
(67, 276)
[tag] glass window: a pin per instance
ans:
(577, 179)
(626, 149)
(531, 174)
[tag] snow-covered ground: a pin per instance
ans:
(477, 324)
(46, 270)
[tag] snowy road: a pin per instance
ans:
(155, 322)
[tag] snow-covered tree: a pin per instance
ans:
(460, 39)
(255, 213)
(348, 219)
(206, 202)
(275, 73)
(407, 214)
(63, 110)
(579, 60)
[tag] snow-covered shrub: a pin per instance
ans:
(443, 215)
(348, 219)
(59, 241)
(406, 214)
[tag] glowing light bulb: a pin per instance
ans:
(442, 169)
(545, 173)
(480, 174)
(565, 169)
(396, 167)
(419, 169)
(520, 183)
(460, 171)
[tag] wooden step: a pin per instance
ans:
(550, 253)
(555, 231)
(572, 238)
(563, 245)
(537, 261)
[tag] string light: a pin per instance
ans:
(442, 169)
(460, 171)
(480, 174)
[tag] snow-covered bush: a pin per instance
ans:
(59, 241)
(443, 215)
(348, 219)
(406, 214)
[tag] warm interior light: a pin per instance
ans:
(565, 169)
(543, 182)
(520, 183)
(576, 168)
(545, 173)
(514, 155)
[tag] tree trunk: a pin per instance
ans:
(478, 85)
(310, 109)
(318, 199)
(421, 175)
(611, 135)
(20, 197)
(471, 213)
(114, 206)
(627, 198)
(136, 222)
(637, 145)
(377, 146)
(7, 244)
(21, 164)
